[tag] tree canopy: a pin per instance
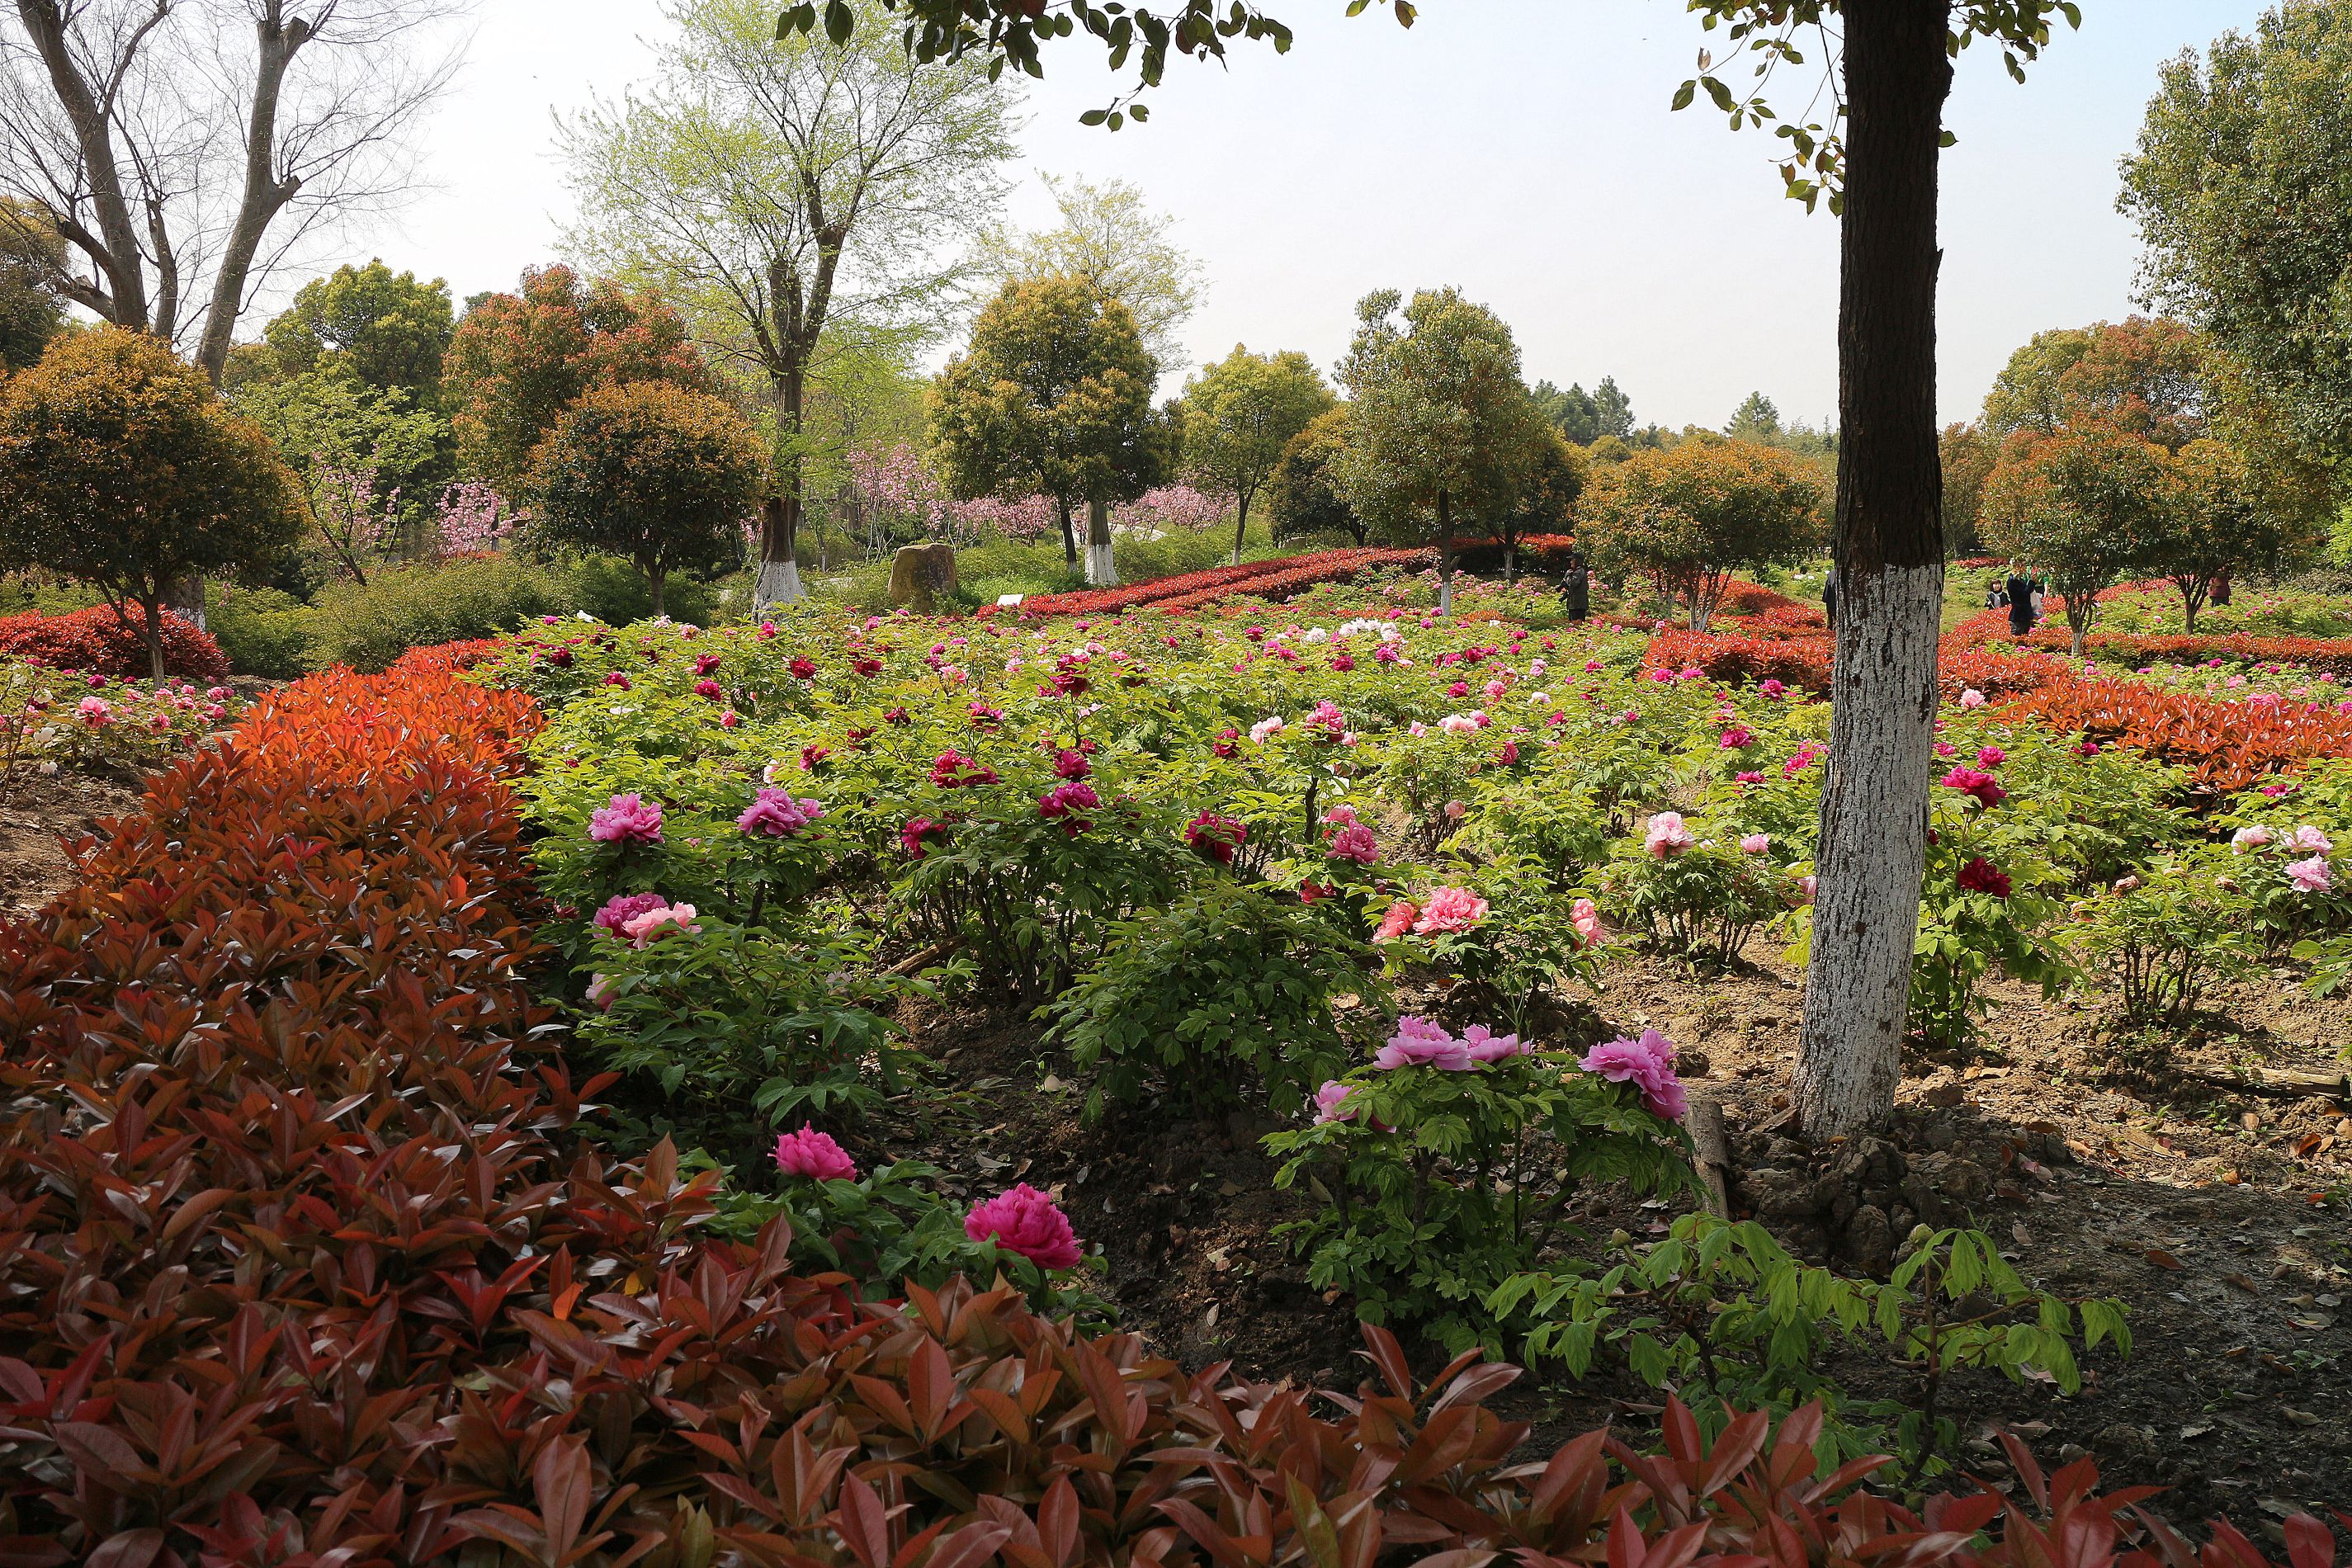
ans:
(2079, 507)
(372, 326)
(2145, 375)
(664, 475)
(1241, 415)
(2241, 186)
(1688, 517)
(517, 361)
(1053, 397)
(1304, 497)
(1442, 430)
(1584, 417)
(118, 466)
(32, 312)
(1111, 239)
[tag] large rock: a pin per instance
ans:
(921, 573)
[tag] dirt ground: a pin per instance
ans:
(36, 811)
(2218, 1217)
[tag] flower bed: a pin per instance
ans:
(96, 641)
(306, 1262)
(2332, 656)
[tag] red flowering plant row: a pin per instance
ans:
(2331, 655)
(1263, 578)
(97, 641)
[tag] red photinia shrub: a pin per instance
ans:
(444, 658)
(2228, 744)
(1991, 627)
(1260, 579)
(1791, 660)
(97, 642)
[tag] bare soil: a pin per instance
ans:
(38, 812)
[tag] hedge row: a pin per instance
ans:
(1285, 575)
(97, 641)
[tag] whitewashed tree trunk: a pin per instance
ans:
(1889, 561)
(1873, 839)
(779, 582)
(1102, 563)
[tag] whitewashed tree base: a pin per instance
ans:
(779, 582)
(1874, 837)
(1102, 568)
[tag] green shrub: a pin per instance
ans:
(1228, 986)
(264, 631)
(615, 593)
(408, 607)
(2184, 929)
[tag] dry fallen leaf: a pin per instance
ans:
(2242, 1283)
(2162, 1259)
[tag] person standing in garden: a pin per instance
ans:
(1576, 587)
(2019, 590)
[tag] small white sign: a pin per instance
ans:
(1009, 601)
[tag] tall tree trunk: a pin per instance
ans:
(125, 299)
(1069, 539)
(654, 580)
(153, 628)
(1241, 526)
(1102, 562)
(1890, 565)
(264, 194)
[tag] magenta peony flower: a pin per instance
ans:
(709, 690)
(1772, 689)
(623, 907)
(1737, 737)
(627, 820)
(1028, 1222)
(1214, 837)
(1648, 1063)
(1419, 1042)
(775, 814)
(1071, 765)
(644, 926)
(1979, 786)
(704, 663)
(814, 1154)
(911, 837)
(1990, 756)
(1356, 842)
(802, 668)
(1665, 837)
(1450, 910)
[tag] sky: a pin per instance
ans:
(1520, 150)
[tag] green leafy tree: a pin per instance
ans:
(1967, 454)
(1241, 415)
(1756, 420)
(1303, 496)
(650, 471)
(377, 328)
(1689, 516)
(1110, 238)
(802, 202)
(1584, 417)
(31, 256)
(1442, 427)
(1052, 397)
(2224, 510)
(118, 466)
(2081, 507)
(2241, 186)
(370, 462)
(1547, 497)
(517, 361)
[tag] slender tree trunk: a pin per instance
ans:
(1444, 553)
(1890, 563)
(1069, 539)
(264, 194)
(124, 299)
(779, 581)
(154, 630)
(654, 580)
(1241, 525)
(1102, 560)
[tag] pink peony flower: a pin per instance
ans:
(1329, 1101)
(2308, 839)
(627, 820)
(775, 814)
(1665, 837)
(2251, 838)
(911, 837)
(600, 992)
(1354, 843)
(1585, 915)
(1977, 785)
(1265, 730)
(1806, 886)
(1486, 1047)
(1648, 1063)
(1456, 811)
(814, 1154)
(1419, 1042)
(1450, 910)
(1214, 837)
(1398, 920)
(1756, 844)
(1027, 1222)
(1990, 756)
(2311, 875)
(1973, 698)
(95, 712)
(641, 929)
